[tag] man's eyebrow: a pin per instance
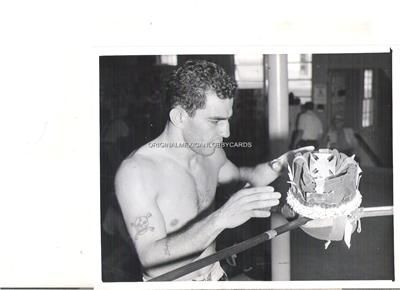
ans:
(219, 118)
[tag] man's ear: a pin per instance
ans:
(177, 116)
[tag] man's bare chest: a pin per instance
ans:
(184, 194)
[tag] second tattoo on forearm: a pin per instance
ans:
(166, 248)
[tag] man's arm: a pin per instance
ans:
(146, 224)
(260, 175)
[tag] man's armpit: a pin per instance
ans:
(142, 225)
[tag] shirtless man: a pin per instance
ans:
(167, 187)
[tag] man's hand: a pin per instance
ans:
(282, 161)
(264, 173)
(247, 203)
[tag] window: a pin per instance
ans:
(367, 102)
(249, 72)
(300, 75)
(168, 60)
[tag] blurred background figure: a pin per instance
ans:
(309, 128)
(294, 113)
(115, 135)
(340, 137)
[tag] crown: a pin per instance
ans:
(324, 188)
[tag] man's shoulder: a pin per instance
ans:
(135, 176)
(138, 160)
(303, 115)
(138, 165)
(309, 116)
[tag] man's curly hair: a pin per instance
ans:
(189, 83)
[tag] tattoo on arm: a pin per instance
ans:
(166, 249)
(142, 225)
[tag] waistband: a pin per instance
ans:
(216, 273)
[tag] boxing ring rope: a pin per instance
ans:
(375, 211)
(266, 236)
(227, 252)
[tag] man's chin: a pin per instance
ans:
(208, 151)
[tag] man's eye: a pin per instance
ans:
(214, 121)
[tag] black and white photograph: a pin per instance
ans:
(246, 167)
(199, 145)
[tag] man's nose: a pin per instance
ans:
(224, 131)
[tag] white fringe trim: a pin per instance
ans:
(318, 212)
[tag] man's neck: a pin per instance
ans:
(177, 149)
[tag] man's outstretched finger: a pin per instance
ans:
(259, 213)
(260, 189)
(261, 196)
(289, 156)
(304, 149)
(265, 204)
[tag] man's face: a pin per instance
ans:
(209, 125)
